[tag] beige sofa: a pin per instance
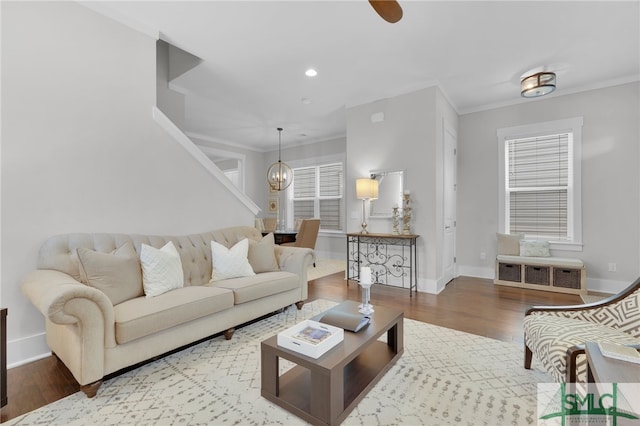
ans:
(94, 338)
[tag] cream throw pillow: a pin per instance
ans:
(116, 274)
(534, 248)
(230, 263)
(161, 269)
(262, 255)
(509, 244)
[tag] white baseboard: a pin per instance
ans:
(476, 271)
(600, 285)
(430, 286)
(27, 349)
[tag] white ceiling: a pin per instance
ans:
(255, 54)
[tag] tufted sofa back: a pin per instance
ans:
(59, 252)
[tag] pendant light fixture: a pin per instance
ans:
(279, 174)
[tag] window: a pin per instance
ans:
(540, 182)
(317, 191)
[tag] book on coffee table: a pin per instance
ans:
(313, 335)
(310, 338)
(621, 352)
(346, 320)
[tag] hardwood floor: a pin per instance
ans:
(466, 304)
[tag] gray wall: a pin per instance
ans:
(80, 150)
(610, 181)
(329, 245)
(255, 177)
(170, 102)
(410, 139)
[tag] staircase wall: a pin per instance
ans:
(81, 151)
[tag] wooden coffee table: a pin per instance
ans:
(324, 391)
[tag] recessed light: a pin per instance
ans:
(311, 72)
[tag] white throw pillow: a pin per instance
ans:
(230, 263)
(534, 248)
(161, 269)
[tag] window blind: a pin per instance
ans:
(330, 196)
(318, 192)
(304, 182)
(538, 184)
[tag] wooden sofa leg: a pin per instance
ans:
(528, 355)
(299, 304)
(228, 334)
(91, 389)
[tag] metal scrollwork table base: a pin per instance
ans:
(391, 257)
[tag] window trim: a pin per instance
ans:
(317, 162)
(570, 125)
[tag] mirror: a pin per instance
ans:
(390, 187)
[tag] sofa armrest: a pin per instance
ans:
(296, 260)
(65, 301)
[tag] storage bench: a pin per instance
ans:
(557, 274)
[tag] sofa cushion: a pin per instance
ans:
(542, 261)
(142, 316)
(262, 255)
(534, 248)
(258, 286)
(116, 274)
(549, 337)
(161, 269)
(230, 262)
(509, 244)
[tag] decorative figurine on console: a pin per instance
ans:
(406, 212)
(395, 215)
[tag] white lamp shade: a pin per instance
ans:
(366, 189)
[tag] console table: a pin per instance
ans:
(392, 258)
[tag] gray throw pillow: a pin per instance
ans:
(262, 256)
(116, 274)
(509, 244)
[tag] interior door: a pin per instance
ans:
(449, 203)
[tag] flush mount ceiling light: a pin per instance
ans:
(538, 84)
(311, 72)
(279, 174)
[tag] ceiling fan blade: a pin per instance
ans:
(389, 10)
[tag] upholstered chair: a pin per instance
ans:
(269, 224)
(307, 235)
(556, 334)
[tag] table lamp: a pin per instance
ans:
(366, 189)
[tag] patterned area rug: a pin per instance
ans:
(444, 377)
(591, 298)
(325, 267)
